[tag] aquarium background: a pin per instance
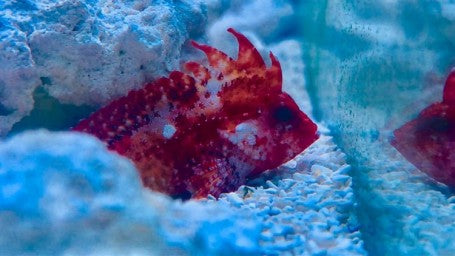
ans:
(360, 69)
(372, 66)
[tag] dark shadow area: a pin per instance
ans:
(51, 114)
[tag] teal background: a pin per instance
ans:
(371, 66)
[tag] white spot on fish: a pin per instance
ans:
(213, 87)
(244, 132)
(169, 131)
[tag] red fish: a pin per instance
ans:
(428, 141)
(208, 129)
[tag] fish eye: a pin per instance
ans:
(283, 114)
(435, 124)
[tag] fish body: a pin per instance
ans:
(428, 141)
(208, 129)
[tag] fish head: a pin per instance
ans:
(292, 128)
(264, 122)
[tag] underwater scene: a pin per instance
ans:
(227, 127)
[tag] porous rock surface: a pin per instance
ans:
(88, 52)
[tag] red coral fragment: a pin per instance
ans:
(428, 141)
(209, 129)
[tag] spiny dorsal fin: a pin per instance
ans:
(274, 74)
(248, 56)
(217, 59)
(198, 71)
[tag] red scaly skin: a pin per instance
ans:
(207, 130)
(428, 141)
